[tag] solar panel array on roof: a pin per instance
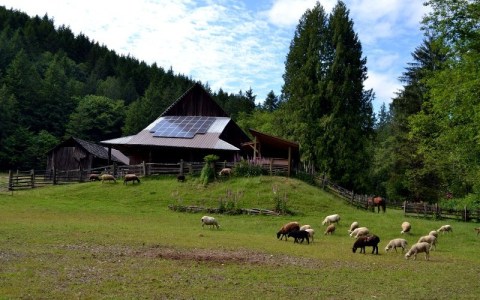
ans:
(182, 126)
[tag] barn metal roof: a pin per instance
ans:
(210, 140)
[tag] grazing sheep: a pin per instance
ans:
(396, 243)
(477, 230)
(368, 240)
(132, 178)
(311, 233)
(108, 177)
(330, 229)
(358, 232)
(434, 233)
(299, 235)
(406, 227)
(210, 221)
(353, 226)
(419, 248)
(432, 240)
(94, 177)
(331, 219)
(445, 228)
(286, 229)
(225, 172)
(181, 178)
(304, 227)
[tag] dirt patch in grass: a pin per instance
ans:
(218, 256)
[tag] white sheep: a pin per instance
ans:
(353, 226)
(361, 231)
(419, 248)
(406, 227)
(304, 227)
(445, 228)
(331, 219)
(330, 229)
(210, 221)
(311, 233)
(434, 233)
(396, 243)
(432, 240)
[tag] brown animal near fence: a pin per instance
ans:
(94, 177)
(132, 178)
(378, 202)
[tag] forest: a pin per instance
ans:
(423, 147)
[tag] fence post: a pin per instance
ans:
(404, 208)
(10, 180)
(144, 168)
(181, 167)
(32, 178)
(54, 175)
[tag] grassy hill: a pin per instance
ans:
(95, 240)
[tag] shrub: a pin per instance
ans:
(245, 169)
(208, 170)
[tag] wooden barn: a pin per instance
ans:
(77, 154)
(191, 128)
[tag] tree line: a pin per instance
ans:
(423, 147)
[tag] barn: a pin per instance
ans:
(77, 154)
(191, 128)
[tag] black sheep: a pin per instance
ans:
(299, 235)
(368, 240)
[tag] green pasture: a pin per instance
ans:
(115, 241)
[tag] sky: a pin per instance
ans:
(236, 45)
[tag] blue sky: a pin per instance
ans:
(236, 45)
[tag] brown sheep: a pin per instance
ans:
(132, 178)
(330, 229)
(286, 229)
(94, 177)
(477, 230)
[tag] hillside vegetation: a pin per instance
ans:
(95, 240)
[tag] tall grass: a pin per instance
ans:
(116, 241)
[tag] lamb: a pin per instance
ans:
(299, 235)
(432, 240)
(210, 221)
(331, 219)
(311, 233)
(396, 243)
(477, 230)
(225, 172)
(419, 248)
(368, 240)
(406, 227)
(304, 227)
(108, 177)
(330, 229)
(353, 226)
(445, 228)
(181, 178)
(94, 177)
(434, 233)
(132, 178)
(358, 232)
(286, 229)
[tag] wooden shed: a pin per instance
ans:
(268, 150)
(77, 154)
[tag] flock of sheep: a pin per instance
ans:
(362, 235)
(108, 177)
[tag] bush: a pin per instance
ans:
(208, 170)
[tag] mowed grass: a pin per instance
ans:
(115, 241)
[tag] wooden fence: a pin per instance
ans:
(434, 211)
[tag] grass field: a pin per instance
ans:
(115, 241)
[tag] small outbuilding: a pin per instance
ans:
(77, 154)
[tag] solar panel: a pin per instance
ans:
(182, 126)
